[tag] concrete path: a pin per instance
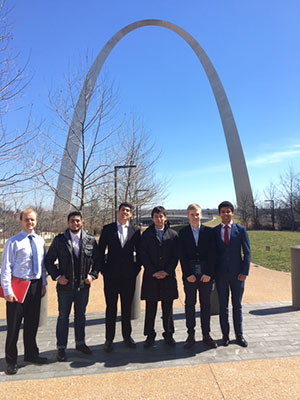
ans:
(268, 369)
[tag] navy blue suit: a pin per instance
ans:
(205, 253)
(232, 259)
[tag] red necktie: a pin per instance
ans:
(226, 234)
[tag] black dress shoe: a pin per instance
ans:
(108, 346)
(169, 339)
(210, 342)
(190, 341)
(36, 360)
(129, 342)
(11, 369)
(241, 341)
(149, 342)
(83, 348)
(61, 355)
(225, 341)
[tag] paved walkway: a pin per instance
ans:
(272, 329)
(269, 368)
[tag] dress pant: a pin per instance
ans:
(113, 287)
(66, 298)
(191, 290)
(224, 284)
(30, 311)
(167, 317)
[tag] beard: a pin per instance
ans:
(75, 230)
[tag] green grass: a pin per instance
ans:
(279, 255)
(277, 258)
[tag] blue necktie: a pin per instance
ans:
(35, 260)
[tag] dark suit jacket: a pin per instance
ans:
(117, 261)
(61, 249)
(205, 251)
(158, 256)
(229, 258)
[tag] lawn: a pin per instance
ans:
(269, 249)
(272, 249)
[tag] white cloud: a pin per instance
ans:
(276, 157)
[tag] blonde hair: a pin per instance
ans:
(194, 206)
(27, 211)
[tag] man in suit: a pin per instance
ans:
(159, 255)
(231, 270)
(119, 264)
(76, 252)
(23, 258)
(197, 258)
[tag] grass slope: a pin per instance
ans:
(269, 249)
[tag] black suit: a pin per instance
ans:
(205, 253)
(119, 267)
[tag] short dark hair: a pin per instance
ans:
(126, 204)
(74, 214)
(226, 204)
(158, 210)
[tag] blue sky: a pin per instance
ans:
(254, 46)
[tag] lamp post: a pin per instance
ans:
(115, 175)
(272, 205)
(137, 205)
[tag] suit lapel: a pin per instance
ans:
(234, 232)
(130, 233)
(219, 238)
(115, 233)
(191, 237)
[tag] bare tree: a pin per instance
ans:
(139, 185)
(94, 134)
(272, 199)
(13, 80)
(247, 210)
(289, 199)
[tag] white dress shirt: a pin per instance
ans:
(17, 260)
(229, 230)
(75, 239)
(123, 232)
(196, 233)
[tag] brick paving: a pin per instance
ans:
(272, 330)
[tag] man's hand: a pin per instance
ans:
(160, 274)
(63, 280)
(11, 298)
(205, 278)
(88, 280)
(242, 277)
(44, 290)
(191, 278)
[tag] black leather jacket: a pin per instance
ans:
(61, 249)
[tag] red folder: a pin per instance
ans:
(20, 288)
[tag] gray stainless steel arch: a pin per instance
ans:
(238, 165)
